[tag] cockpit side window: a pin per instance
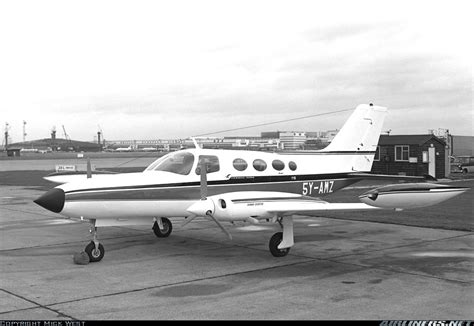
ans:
(180, 163)
(211, 161)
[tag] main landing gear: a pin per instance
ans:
(162, 227)
(281, 242)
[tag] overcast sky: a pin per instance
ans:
(162, 69)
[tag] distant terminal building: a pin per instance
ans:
(267, 141)
(270, 134)
(165, 145)
(206, 142)
(292, 140)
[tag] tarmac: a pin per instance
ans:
(337, 270)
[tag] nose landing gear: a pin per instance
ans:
(94, 249)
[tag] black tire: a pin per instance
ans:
(167, 228)
(464, 171)
(94, 254)
(273, 245)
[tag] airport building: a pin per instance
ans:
(411, 155)
(293, 140)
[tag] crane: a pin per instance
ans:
(66, 136)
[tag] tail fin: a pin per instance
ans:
(361, 131)
(360, 134)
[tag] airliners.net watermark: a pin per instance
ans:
(426, 323)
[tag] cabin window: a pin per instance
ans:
(240, 164)
(179, 162)
(402, 153)
(292, 166)
(377, 154)
(278, 165)
(259, 165)
(211, 161)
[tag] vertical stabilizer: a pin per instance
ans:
(360, 136)
(361, 131)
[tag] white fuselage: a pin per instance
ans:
(155, 192)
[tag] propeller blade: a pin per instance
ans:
(203, 184)
(89, 169)
(221, 226)
(188, 219)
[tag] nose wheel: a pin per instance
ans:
(95, 250)
(95, 254)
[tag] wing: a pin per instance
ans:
(300, 206)
(267, 204)
(255, 205)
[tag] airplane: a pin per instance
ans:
(249, 186)
(124, 149)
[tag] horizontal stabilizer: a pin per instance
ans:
(371, 176)
(65, 177)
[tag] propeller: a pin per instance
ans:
(204, 207)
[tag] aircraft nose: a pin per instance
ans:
(53, 200)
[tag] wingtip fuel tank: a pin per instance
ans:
(410, 195)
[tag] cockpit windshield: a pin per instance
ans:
(179, 162)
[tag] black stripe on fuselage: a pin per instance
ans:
(191, 190)
(231, 181)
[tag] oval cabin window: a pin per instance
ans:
(292, 166)
(259, 165)
(240, 164)
(278, 165)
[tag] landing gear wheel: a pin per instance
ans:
(273, 245)
(93, 253)
(167, 228)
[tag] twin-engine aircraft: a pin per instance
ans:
(232, 185)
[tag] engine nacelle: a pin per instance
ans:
(226, 209)
(410, 195)
(245, 205)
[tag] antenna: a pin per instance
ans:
(7, 127)
(24, 130)
(100, 136)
